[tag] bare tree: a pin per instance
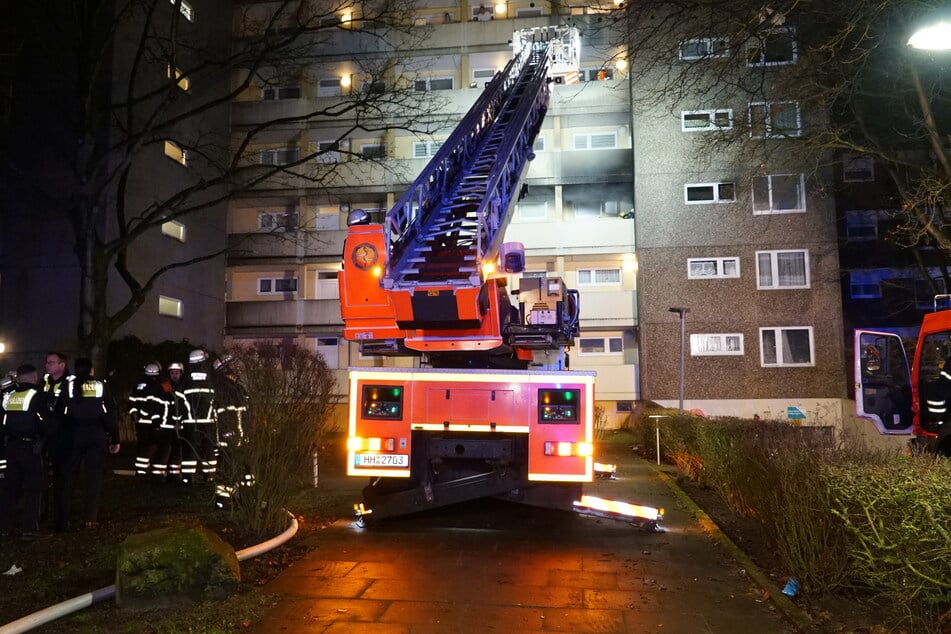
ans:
(120, 80)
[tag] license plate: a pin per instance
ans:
(381, 460)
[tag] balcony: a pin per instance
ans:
(298, 314)
(289, 245)
(607, 309)
(584, 236)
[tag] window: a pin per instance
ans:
(534, 274)
(433, 83)
(596, 74)
(277, 220)
(595, 141)
(426, 149)
(704, 48)
(176, 153)
(775, 119)
(779, 193)
(865, 290)
(700, 193)
(373, 151)
(539, 145)
(280, 156)
(373, 86)
(712, 268)
(329, 349)
(708, 345)
(776, 48)
(861, 226)
(183, 82)
(277, 93)
(329, 87)
(601, 345)
(700, 120)
(592, 277)
(532, 211)
(186, 9)
(624, 407)
(328, 152)
(327, 287)
(170, 307)
(174, 229)
(782, 269)
(858, 168)
(274, 285)
(783, 347)
(528, 13)
(482, 76)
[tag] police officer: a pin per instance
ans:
(199, 427)
(231, 400)
(90, 416)
(8, 383)
(169, 438)
(149, 408)
(24, 433)
(60, 441)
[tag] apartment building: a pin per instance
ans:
(576, 220)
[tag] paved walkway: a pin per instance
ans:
(496, 567)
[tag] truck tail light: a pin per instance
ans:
(582, 449)
(371, 444)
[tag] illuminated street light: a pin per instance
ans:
(935, 32)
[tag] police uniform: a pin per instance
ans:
(90, 416)
(199, 427)
(149, 408)
(7, 384)
(59, 443)
(24, 433)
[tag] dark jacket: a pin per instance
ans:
(86, 401)
(23, 412)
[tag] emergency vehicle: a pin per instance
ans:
(491, 408)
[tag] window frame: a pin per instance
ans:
(787, 30)
(274, 153)
(332, 82)
(174, 229)
(861, 295)
(272, 283)
(710, 41)
(848, 159)
(801, 194)
(277, 224)
(778, 330)
(768, 131)
(711, 116)
(175, 152)
(178, 312)
(379, 156)
(592, 271)
(774, 266)
(724, 350)
(430, 149)
(276, 92)
(716, 200)
(719, 263)
(587, 136)
(606, 340)
(428, 81)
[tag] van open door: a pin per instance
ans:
(882, 382)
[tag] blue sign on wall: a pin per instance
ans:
(794, 413)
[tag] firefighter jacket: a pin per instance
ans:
(86, 401)
(232, 405)
(937, 399)
(150, 404)
(198, 392)
(23, 414)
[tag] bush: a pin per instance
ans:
(290, 397)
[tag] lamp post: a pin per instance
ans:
(682, 312)
(934, 31)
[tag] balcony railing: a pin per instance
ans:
(285, 244)
(299, 313)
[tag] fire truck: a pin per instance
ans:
(489, 406)
(889, 392)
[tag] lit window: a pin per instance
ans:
(595, 141)
(783, 347)
(280, 156)
(482, 76)
(596, 74)
(532, 211)
(776, 48)
(719, 344)
(174, 229)
(700, 120)
(279, 93)
(704, 48)
(775, 120)
(782, 269)
(176, 153)
(183, 82)
(329, 349)
(426, 149)
(858, 168)
(276, 285)
(779, 193)
(170, 307)
(600, 345)
(700, 193)
(599, 277)
(327, 286)
(713, 268)
(329, 87)
(186, 9)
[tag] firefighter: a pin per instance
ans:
(937, 397)
(24, 433)
(231, 400)
(200, 434)
(169, 437)
(89, 413)
(149, 408)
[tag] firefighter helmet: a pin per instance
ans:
(176, 366)
(222, 362)
(153, 368)
(197, 356)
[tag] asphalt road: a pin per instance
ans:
(493, 566)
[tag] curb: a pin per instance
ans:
(793, 613)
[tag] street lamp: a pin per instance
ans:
(934, 32)
(680, 310)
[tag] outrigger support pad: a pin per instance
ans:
(639, 516)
